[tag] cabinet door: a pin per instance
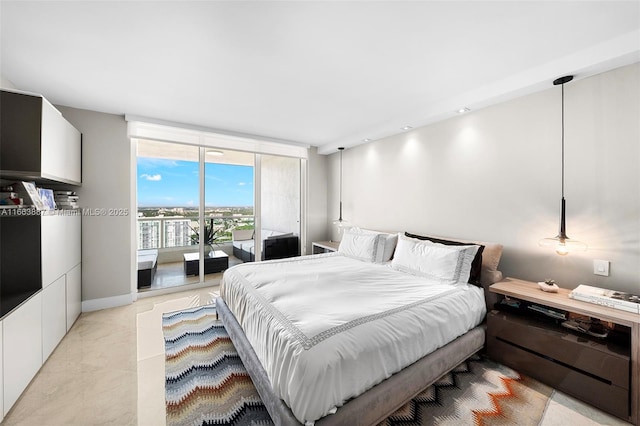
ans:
(54, 316)
(61, 246)
(60, 147)
(54, 250)
(74, 294)
(22, 348)
(73, 241)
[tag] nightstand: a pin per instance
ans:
(603, 373)
(324, 246)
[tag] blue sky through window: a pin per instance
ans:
(174, 183)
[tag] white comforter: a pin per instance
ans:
(327, 327)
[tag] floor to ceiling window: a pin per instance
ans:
(168, 182)
(197, 199)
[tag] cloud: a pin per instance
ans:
(151, 177)
(242, 183)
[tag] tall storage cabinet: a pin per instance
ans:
(61, 257)
(40, 252)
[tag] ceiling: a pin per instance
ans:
(327, 73)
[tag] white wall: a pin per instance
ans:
(494, 175)
(106, 239)
(6, 84)
(317, 183)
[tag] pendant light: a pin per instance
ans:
(561, 242)
(340, 222)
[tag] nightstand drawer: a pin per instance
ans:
(594, 391)
(584, 355)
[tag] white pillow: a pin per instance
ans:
(450, 264)
(359, 246)
(386, 246)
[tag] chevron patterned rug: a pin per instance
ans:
(206, 384)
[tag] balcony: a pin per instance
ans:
(173, 236)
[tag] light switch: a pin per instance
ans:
(601, 267)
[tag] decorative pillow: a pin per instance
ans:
(476, 266)
(386, 246)
(450, 264)
(360, 246)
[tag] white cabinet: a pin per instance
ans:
(60, 245)
(74, 295)
(61, 257)
(37, 142)
(54, 316)
(53, 254)
(43, 279)
(60, 146)
(22, 348)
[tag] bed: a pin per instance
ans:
(348, 337)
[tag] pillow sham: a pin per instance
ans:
(490, 260)
(359, 245)
(386, 246)
(451, 264)
(476, 266)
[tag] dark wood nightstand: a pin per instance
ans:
(603, 373)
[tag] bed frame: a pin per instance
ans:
(374, 405)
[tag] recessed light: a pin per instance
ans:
(463, 110)
(407, 128)
(214, 152)
(366, 140)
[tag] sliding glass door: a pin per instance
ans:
(229, 203)
(168, 185)
(202, 209)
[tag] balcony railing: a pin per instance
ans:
(175, 231)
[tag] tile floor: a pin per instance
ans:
(109, 370)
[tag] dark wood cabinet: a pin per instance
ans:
(585, 368)
(601, 372)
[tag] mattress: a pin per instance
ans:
(328, 327)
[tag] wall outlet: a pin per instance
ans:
(601, 267)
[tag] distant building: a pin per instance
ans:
(177, 232)
(148, 234)
(174, 233)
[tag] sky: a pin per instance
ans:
(174, 183)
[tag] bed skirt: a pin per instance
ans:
(374, 405)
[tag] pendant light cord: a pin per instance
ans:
(562, 169)
(340, 217)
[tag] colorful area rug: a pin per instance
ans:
(206, 384)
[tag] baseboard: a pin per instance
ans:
(106, 302)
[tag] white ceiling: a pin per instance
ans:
(327, 73)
